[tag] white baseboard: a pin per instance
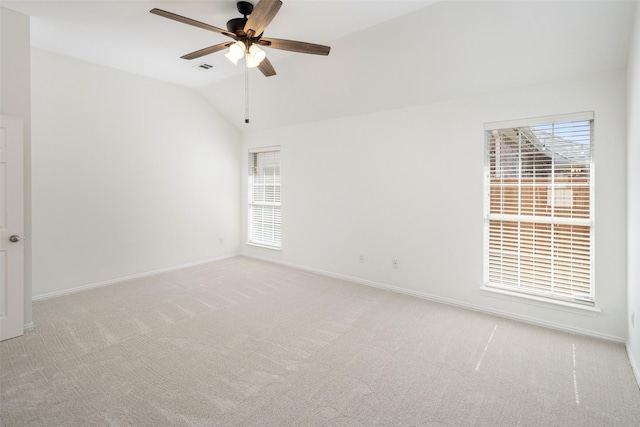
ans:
(447, 301)
(28, 327)
(352, 279)
(125, 278)
(634, 366)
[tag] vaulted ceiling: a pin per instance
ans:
(384, 54)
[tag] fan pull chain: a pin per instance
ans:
(246, 92)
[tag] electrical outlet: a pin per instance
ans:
(394, 263)
(361, 259)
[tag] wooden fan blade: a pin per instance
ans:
(295, 46)
(193, 22)
(206, 51)
(262, 15)
(266, 68)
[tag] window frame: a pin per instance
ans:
(517, 289)
(276, 242)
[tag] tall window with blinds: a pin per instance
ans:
(539, 207)
(264, 198)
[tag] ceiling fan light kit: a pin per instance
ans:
(254, 55)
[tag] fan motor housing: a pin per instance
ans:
(236, 26)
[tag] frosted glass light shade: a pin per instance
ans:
(251, 63)
(257, 54)
(231, 58)
(237, 49)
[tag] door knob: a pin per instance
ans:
(15, 238)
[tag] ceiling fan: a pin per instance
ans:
(247, 33)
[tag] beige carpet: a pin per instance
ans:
(242, 342)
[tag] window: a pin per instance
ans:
(539, 207)
(264, 197)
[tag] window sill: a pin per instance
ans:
(257, 245)
(566, 306)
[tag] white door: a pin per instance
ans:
(11, 229)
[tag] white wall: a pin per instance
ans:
(15, 100)
(633, 193)
(130, 175)
(408, 184)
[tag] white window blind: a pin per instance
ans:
(264, 198)
(539, 208)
